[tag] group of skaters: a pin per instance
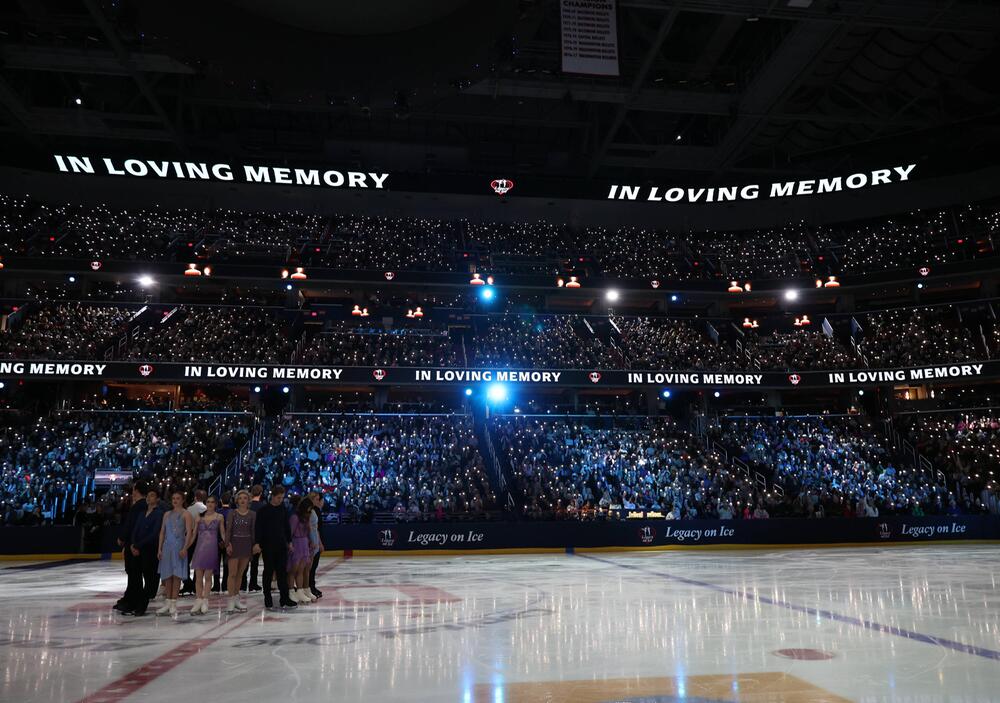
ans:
(165, 538)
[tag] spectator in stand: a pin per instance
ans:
(829, 460)
(365, 464)
(658, 343)
(366, 345)
(64, 331)
(528, 341)
(912, 337)
(801, 350)
(353, 241)
(565, 469)
(48, 461)
(966, 447)
(234, 335)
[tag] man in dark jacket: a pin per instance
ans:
(144, 547)
(133, 569)
(256, 503)
(274, 536)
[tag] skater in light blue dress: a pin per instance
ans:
(176, 535)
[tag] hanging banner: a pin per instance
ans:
(340, 178)
(369, 375)
(220, 171)
(589, 37)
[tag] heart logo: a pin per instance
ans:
(145, 370)
(795, 378)
(655, 284)
(501, 186)
(95, 265)
(924, 271)
(594, 377)
(379, 374)
(389, 275)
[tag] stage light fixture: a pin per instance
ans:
(496, 393)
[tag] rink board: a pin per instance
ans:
(656, 534)
(527, 537)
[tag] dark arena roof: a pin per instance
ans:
(532, 275)
(705, 88)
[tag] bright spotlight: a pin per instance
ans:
(78, 101)
(666, 393)
(716, 394)
(861, 392)
(284, 389)
(146, 280)
(468, 391)
(673, 298)
(2, 385)
(288, 286)
(496, 393)
(791, 294)
(72, 279)
(256, 389)
(486, 294)
(612, 295)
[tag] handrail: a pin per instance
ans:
(723, 452)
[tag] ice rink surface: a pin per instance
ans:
(887, 624)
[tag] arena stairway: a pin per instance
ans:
(498, 468)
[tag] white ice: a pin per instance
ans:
(901, 624)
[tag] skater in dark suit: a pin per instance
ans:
(133, 568)
(274, 535)
(144, 547)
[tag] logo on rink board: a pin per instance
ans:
(647, 534)
(387, 538)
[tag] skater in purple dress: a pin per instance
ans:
(300, 559)
(240, 527)
(205, 561)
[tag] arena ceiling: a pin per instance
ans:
(708, 88)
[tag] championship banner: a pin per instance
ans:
(589, 37)
(173, 372)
